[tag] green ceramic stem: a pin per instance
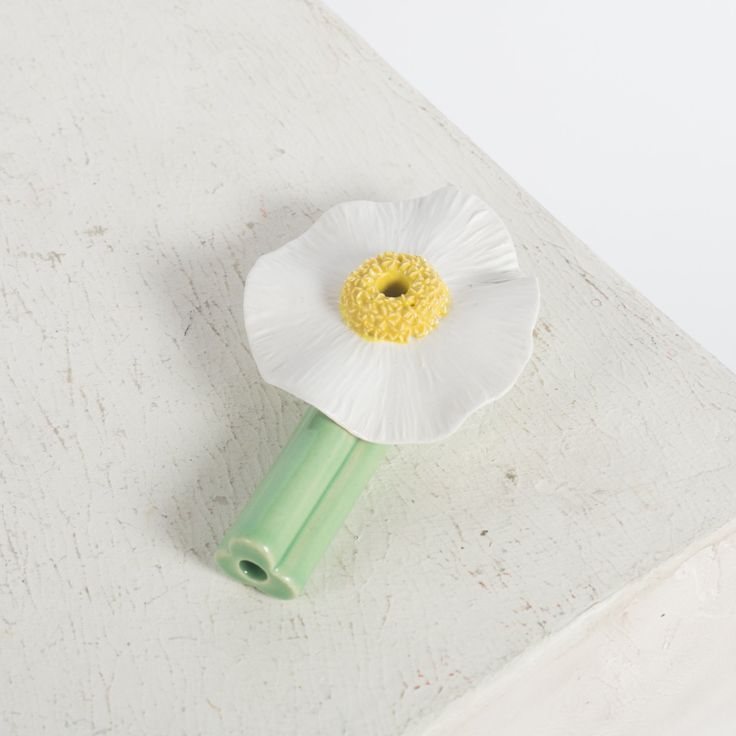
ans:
(298, 507)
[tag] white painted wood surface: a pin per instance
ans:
(657, 657)
(149, 153)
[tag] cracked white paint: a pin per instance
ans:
(659, 656)
(149, 153)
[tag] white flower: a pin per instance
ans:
(423, 362)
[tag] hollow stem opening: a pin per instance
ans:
(253, 571)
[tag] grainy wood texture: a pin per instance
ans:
(150, 151)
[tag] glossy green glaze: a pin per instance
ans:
(298, 507)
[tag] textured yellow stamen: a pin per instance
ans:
(393, 297)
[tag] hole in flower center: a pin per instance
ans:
(393, 284)
(393, 297)
(251, 570)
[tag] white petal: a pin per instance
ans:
(475, 355)
(384, 392)
(396, 394)
(457, 233)
(462, 237)
(423, 391)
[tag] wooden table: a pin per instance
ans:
(150, 151)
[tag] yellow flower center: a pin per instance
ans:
(393, 297)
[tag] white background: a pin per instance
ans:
(619, 117)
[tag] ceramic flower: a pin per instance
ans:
(395, 319)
